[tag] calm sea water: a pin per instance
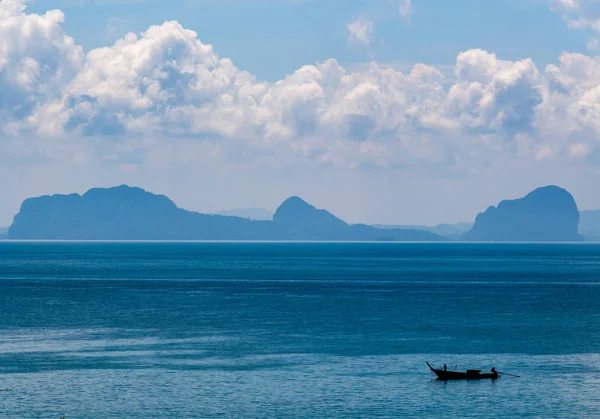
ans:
(184, 330)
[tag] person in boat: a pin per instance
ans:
(494, 372)
(445, 367)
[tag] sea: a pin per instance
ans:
(297, 330)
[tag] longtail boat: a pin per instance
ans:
(445, 375)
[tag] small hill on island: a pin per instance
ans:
(305, 222)
(547, 214)
(129, 213)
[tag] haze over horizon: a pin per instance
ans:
(388, 112)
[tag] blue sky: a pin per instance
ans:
(387, 111)
(272, 38)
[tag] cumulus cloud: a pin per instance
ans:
(360, 31)
(37, 59)
(164, 80)
(573, 110)
(495, 95)
(166, 86)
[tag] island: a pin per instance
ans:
(131, 213)
(548, 214)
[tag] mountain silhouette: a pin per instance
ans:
(303, 220)
(546, 214)
(126, 213)
(130, 213)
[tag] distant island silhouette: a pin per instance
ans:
(450, 231)
(546, 214)
(130, 213)
(589, 225)
(259, 214)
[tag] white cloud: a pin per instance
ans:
(578, 151)
(492, 94)
(580, 14)
(36, 59)
(164, 80)
(360, 31)
(565, 4)
(405, 9)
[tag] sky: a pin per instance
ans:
(381, 111)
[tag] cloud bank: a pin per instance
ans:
(165, 83)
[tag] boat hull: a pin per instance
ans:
(470, 375)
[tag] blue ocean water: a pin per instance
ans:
(185, 330)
